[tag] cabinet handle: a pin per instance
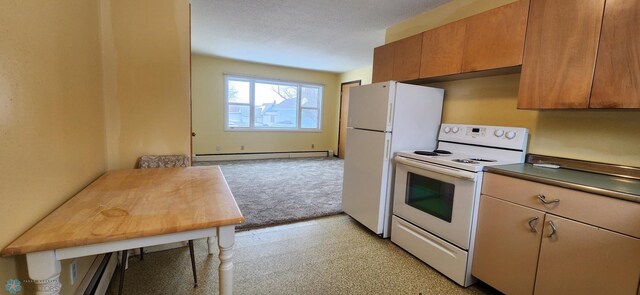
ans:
(553, 229)
(532, 225)
(543, 199)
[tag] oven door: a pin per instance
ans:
(436, 198)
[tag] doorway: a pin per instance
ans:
(344, 112)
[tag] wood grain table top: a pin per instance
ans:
(133, 203)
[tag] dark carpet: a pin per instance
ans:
(278, 191)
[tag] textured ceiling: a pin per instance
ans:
(326, 35)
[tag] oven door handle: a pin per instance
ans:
(438, 169)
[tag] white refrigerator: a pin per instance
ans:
(384, 118)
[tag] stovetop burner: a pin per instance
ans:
(443, 152)
(434, 153)
(482, 160)
(426, 153)
(466, 161)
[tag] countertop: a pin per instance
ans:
(610, 186)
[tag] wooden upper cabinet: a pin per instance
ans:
(487, 41)
(383, 63)
(406, 58)
(399, 60)
(560, 53)
(616, 82)
(495, 38)
(442, 50)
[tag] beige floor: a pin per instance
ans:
(332, 255)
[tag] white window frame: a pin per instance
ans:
(251, 104)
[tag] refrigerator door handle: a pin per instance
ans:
(437, 169)
(387, 150)
(390, 116)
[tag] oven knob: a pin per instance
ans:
(498, 133)
(455, 129)
(510, 135)
(447, 129)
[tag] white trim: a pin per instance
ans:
(163, 247)
(299, 107)
(229, 157)
(94, 249)
(252, 81)
(252, 103)
(271, 79)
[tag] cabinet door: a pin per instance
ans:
(560, 53)
(582, 259)
(406, 58)
(495, 38)
(506, 247)
(616, 82)
(442, 50)
(383, 63)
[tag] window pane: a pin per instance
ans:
(309, 118)
(310, 96)
(276, 106)
(238, 91)
(238, 115)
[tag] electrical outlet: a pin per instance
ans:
(242, 147)
(217, 148)
(73, 271)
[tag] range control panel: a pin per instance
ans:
(491, 136)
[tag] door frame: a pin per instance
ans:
(340, 120)
(192, 134)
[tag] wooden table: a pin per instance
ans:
(128, 209)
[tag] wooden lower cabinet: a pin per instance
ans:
(506, 248)
(583, 259)
(518, 251)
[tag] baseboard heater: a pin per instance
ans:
(99, 275)
(263, 155)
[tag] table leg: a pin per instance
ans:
(225, 270)
(44, 270)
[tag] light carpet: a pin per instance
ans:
(278, 191)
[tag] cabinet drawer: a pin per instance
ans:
(605, 212)
(447, 259)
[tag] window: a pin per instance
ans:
(261, 104)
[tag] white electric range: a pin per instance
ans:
(437, 193)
